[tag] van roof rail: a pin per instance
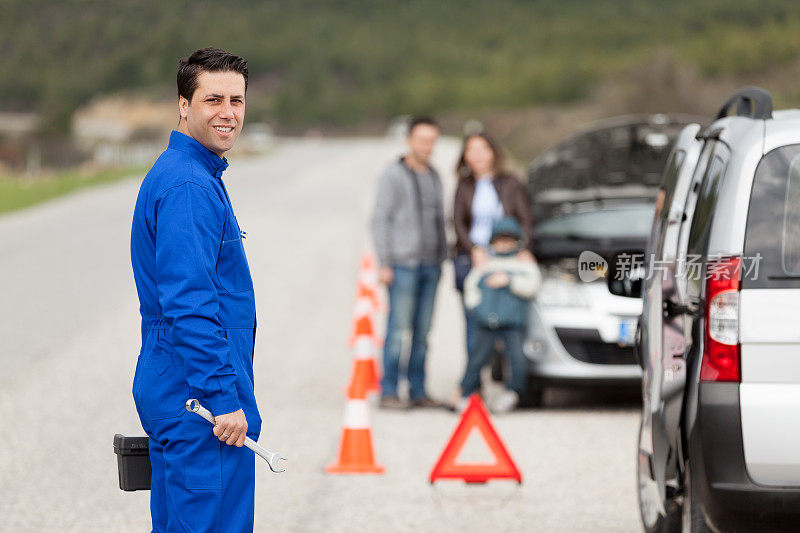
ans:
(753, 102)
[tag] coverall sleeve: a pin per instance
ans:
(189, 225)
(382, 217)
(526, 280)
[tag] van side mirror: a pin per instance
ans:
(626, 271)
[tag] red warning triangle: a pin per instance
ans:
(475, 416)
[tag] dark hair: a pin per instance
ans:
(207, 60)
(462, 168)
(422, 119)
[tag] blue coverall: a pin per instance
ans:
(198, 330)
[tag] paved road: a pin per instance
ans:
(68, 320)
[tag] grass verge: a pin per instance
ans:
(20, 192)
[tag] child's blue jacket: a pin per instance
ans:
(505, 306)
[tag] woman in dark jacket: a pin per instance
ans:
(485, 194)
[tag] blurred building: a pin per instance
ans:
(17, 147)
(124, 131)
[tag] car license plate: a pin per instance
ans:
(627, 330)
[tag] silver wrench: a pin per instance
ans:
(272, 458)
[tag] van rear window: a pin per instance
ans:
(773, 221)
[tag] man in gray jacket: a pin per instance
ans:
(408, 232)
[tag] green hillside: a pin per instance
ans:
(345, 62)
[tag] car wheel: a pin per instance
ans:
(692, 515)
(497, 367)
(534, 394)
(649, 505)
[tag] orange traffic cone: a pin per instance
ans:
(368, 286)
(365, 376)
(355, 450)
(363, 322)
(368, 262)
(365, 289)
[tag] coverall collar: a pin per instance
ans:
(211, 161)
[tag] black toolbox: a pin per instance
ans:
(133, 461)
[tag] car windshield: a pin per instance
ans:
(621, 221)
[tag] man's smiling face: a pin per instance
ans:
(215, 115)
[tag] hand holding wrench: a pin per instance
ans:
(271, 458)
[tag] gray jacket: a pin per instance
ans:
(396, 221)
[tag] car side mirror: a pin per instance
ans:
(626, 271)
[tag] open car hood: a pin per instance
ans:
(617, 158)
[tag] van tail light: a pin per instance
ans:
(721, 352)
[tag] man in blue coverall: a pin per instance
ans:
(198, 311)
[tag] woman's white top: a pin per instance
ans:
(486, 210)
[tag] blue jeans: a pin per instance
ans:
(411, 298)
(462, 265)
(484, 346)
(471, 329)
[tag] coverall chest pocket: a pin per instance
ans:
(232, 269)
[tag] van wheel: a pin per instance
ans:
(648, 496)
(692, 515)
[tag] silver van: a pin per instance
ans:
(719, 335)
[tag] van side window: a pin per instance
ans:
(704, 211)
(700, 228)
(772, 239)
(790, 240)
(664, 199)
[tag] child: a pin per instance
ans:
(497, 295)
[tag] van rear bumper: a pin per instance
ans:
(771, 432)
(730, 499)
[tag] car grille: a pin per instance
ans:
(587, 346)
